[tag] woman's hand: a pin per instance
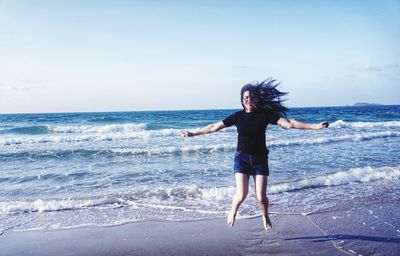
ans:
(323, 125)
(185, 133)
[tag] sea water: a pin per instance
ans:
(64, 170)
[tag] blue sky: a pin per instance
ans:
(62, 56)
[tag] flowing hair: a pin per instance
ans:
(264, 95)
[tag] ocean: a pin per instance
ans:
(64, 170)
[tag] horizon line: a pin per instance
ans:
(167, 110)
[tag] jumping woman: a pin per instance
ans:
(262, 105)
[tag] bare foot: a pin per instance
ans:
(231, 219)
(267, 222)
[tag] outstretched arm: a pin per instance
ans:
(294, 124)
(204, 130)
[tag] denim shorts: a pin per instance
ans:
(250, 164)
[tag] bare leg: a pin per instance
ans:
(242, 188)
(261, 194)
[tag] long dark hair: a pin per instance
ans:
(264, 95)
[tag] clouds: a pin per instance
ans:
(379, 68)
(22, 85)
(389, 72)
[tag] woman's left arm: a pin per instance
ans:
(294, 124)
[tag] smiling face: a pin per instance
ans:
(247, 101)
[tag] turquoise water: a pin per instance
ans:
(64, 170)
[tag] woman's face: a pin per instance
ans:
(247, 101)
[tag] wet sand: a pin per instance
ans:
(316, 234)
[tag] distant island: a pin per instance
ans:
(363, 104)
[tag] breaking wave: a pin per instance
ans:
(175, 196)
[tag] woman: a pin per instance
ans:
(262, 105)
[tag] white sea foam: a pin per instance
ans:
(363, 175)
(221, 193)
(168, 207)
(65, 138)
(329, 139)
(40, 205)
(275, 142)
(342, 124)
(158, 195)
(175, 149)
(176, 197)
(110, 128)
(183, 192)
(206, 146)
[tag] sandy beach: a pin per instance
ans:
(327, 233)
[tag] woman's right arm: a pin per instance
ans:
(204, 130)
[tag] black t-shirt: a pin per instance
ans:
(251, 129)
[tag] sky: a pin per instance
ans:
(84, 56)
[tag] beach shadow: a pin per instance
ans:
(348, 237)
